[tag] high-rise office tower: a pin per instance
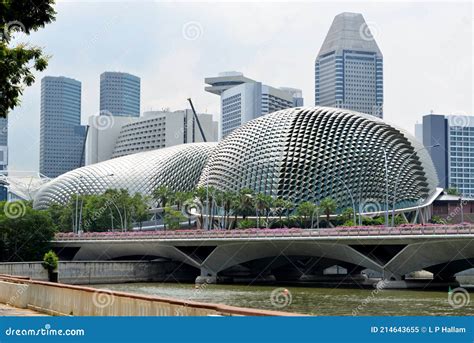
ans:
(296, 94)
(244, 99)
(454, 157)
(120, 94)
(61, 135)
(349, 67)
(419, 132)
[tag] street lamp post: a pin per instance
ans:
(122, 224)
(398, 177)
(111, 219)
(75, 229)
(78, 220)
(386, 186)
(208, 223)
(359, 189)
(352, 198)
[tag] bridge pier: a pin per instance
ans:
(390, 276)
(207, 277)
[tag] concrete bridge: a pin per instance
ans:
(290, 254)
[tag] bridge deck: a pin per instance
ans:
(355, 232)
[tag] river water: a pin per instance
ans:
(316, 300)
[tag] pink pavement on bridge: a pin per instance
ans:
(439, 229)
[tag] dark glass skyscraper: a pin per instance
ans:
(61, 134)
(349, 67)
(120, 94)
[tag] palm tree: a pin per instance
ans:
(219, 201)
(313, 213)
(211, 196)
(162, 195)
(235, 207)
(347, 215)
(200, 196)
(268, 202)
(246, 201)
(289, 206)
(227, 199)
(260, 205)
(180, 197)
(279, 206)
(328, 206)
(306, 210)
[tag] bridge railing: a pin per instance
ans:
(362, 231)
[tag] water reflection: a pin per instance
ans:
(310, 300)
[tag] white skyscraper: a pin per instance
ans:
(244, 99)
(115, 136)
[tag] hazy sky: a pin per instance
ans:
(427, 48)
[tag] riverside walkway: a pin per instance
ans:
(9, 311)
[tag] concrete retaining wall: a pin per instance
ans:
(66, 300)
(96, 272)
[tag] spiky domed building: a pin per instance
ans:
(316, 152)
(298, 154)
(178, 168)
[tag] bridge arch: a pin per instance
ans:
(104, 251)
(419, 256)
(228, 255)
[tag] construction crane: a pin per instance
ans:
(197, 120)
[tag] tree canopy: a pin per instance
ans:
(112, 210)
(25, 233)
(18, 63)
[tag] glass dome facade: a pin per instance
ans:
(310, 153)
(178, 167)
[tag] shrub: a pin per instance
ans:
(437, 220)
(349, 223)
(399, 220)
(50, 261)
(247, 224)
